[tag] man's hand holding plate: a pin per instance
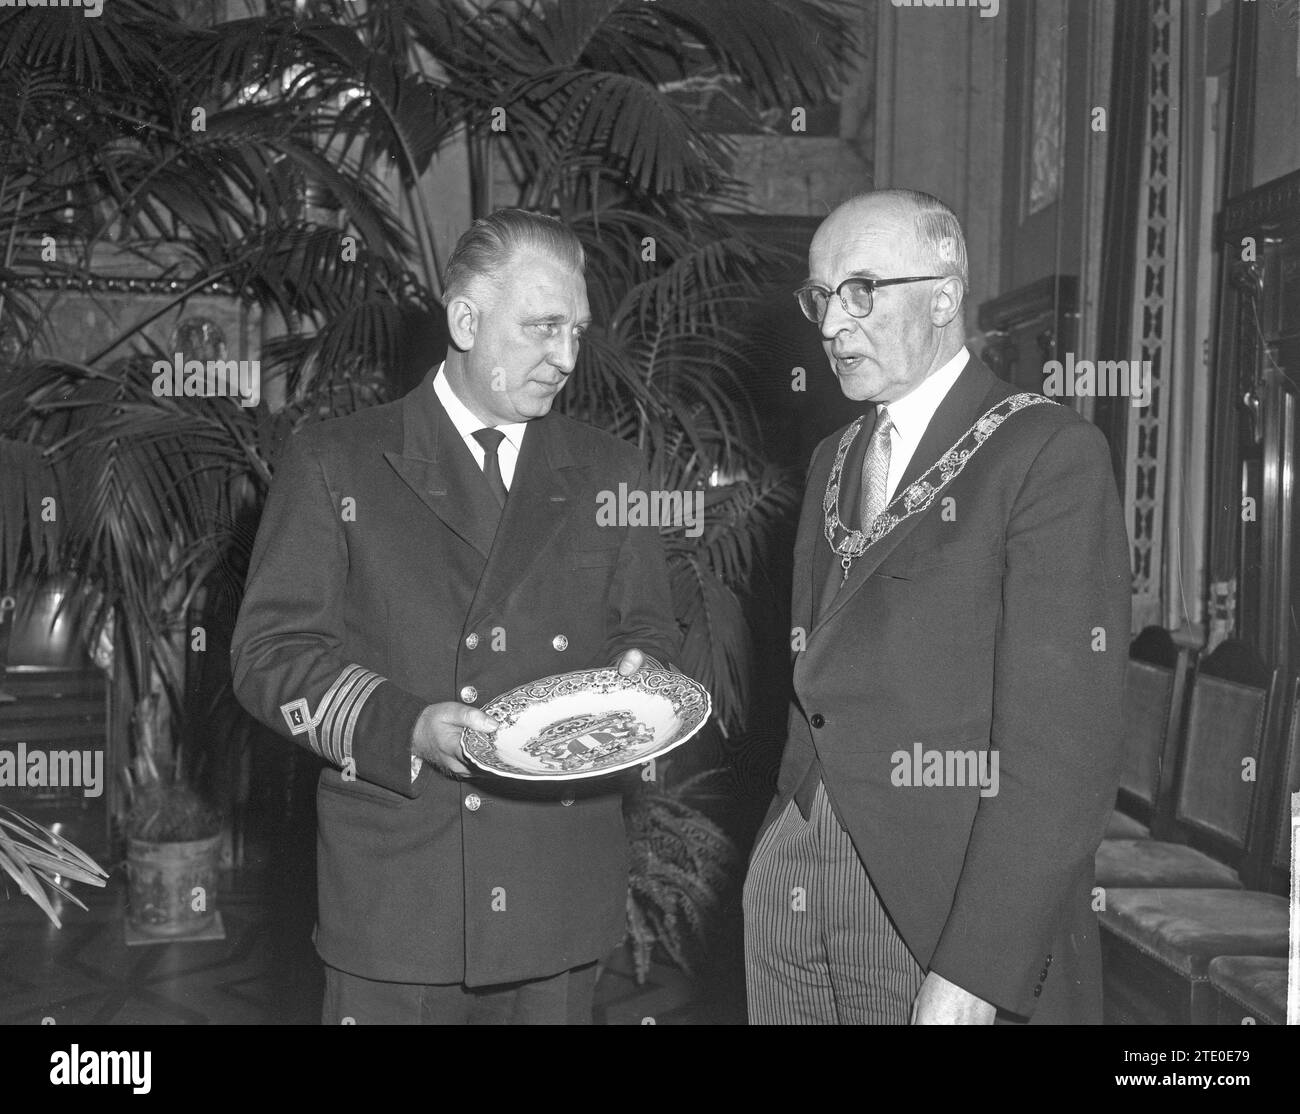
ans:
(437, 735)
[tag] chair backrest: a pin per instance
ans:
(1153, 699)
(1223, 749)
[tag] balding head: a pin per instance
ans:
(939, 242)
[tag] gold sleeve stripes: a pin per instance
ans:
(329, 729)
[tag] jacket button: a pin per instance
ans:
(560, 642)
(469, 694)
(473, 802)
(818, 720)
(1042, 974)
(1038, 991)
(471, 641)
(1049, 959)
(566, 800)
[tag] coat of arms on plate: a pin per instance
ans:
(579, 741)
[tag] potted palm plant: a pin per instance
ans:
(139, 582)
(158, 492)
(173, 858)
(136, 495)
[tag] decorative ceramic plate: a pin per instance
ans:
(588, 723)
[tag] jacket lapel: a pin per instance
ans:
(811, 552)
(543, 495)
(965, 401)
(437, 465)
(973, 392)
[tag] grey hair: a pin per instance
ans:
(939, 237)
(488, 246)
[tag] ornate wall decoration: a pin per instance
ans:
(1153, 315)
(1047, 126)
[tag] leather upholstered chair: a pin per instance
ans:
(1208, 820)
(1249, 987)
(1255, 986)
(1158, 943)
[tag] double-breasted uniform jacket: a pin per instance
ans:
(381, 583)
(998, 618)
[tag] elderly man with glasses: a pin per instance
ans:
(961, 611)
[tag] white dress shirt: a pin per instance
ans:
(467, 425)
(911, 415)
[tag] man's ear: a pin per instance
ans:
(947, 301)
(463, 315)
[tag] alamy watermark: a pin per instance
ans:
(182, 378)
(1103, 379)
(988, 8)
(90, 1068)
(38, 768)
(922, 767)
(93, 8)
(634, 507)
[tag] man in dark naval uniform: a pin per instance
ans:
(415, 560)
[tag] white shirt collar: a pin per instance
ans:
(462, 417)
(912, 413)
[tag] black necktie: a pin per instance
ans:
(491, 440)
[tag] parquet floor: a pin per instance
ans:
(264, 972)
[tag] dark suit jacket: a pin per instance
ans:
(377, 587)
(977, 624)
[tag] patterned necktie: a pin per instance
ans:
(491, 439)
(875, 472)
(871, 501)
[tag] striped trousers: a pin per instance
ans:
(819, 947)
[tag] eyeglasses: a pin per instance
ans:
(855, 295)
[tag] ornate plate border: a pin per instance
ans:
(689, 699)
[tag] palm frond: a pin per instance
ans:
(29, 480)
(40, 861)
(784, 51)
(682, 865)
(121, 46)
